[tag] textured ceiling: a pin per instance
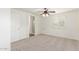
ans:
(36, 10)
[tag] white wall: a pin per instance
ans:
(20, 24)
(38, 24)
(50, 25)
(4, 29)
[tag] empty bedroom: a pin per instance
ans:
(44, 29)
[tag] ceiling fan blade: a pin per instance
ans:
(52, 11)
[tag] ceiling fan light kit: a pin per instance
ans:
(46, 12)
(45, 15)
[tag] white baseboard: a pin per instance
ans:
(59, 36)
(4, 49)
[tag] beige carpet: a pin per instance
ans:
(45, 43)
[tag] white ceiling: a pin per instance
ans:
(36, 10)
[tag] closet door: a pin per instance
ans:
(32, 26)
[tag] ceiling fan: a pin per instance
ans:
(46, 12)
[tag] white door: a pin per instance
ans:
(32, 25)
